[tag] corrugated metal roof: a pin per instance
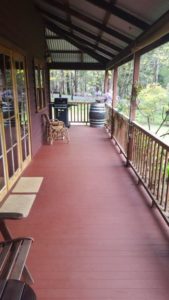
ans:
(101, 29)
(60, 44)
(49, 32)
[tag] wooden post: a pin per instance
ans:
(106, 81)
(115, 82)
(133, 106)
(114, 97)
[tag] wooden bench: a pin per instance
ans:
(15, 290)
(13, 255)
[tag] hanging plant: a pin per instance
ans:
(136, 89)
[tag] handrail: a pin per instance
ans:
(147, 155)
(78, 112)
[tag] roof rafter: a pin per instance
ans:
(120, 13)
(76, 66)
(83, 41)
(105, 21)
(80, 30)
(67, 37)
(90, 21)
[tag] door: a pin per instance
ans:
(14, 120)
(23, 111)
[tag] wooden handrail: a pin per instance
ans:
(147, 155)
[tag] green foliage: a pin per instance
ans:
(70, 82)
(152, 103)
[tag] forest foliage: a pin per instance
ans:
(153, 99)
(153, 96)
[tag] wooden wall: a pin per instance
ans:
(22, 28)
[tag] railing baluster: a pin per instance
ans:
(153, 166)
(164, 168)
(149, 157)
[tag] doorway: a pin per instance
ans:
(14, 119)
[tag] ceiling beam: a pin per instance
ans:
(80, 30)
(67, 37)
(105, 21)
(116, 11)
(84, 41)
(89, 20)
(75, 66)
(159, 31)
(65, 51)
(66, 4)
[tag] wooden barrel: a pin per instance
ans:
(97, 114)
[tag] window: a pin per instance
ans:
(39, 69)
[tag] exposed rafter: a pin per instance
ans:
(66, 51)
(76, 66)
(90, 21)
(66, 4)
(120, 13)
(67, 37)
(84, 41)
(79, 29)
(105, 21)
(158, 32)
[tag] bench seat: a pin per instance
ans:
(13, 255)
(15, 290)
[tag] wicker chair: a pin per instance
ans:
(55, 130)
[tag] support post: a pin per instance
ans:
(106, 81)
(133, 106)
(114, 97)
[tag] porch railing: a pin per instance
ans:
(78, 112)
(146, 154)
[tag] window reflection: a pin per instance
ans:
(2, 175)
(22, 105)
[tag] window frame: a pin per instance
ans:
(39, 81)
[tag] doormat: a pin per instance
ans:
(17, 206)
(28, 185)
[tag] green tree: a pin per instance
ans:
(152, 104)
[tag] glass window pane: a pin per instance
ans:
(10, 163)
(15, 157)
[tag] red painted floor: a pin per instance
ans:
(96, 236)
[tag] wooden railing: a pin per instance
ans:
(118, 126)
(78, 112)
(147, 155)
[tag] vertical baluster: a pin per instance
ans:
(136, 147)
(164, 172)
(82, 121)
(143, 156)
(141, 151)
(133, 146)
(159, 174)
(78, 112)
(88, 109)
(167, 184)
(71, 113)
(154, 158)
(157, 170)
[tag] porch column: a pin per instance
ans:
(115, 81)
(48, 96)
(106, 81)
(114, 97)
(133, 106)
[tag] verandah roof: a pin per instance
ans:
(95, 34)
